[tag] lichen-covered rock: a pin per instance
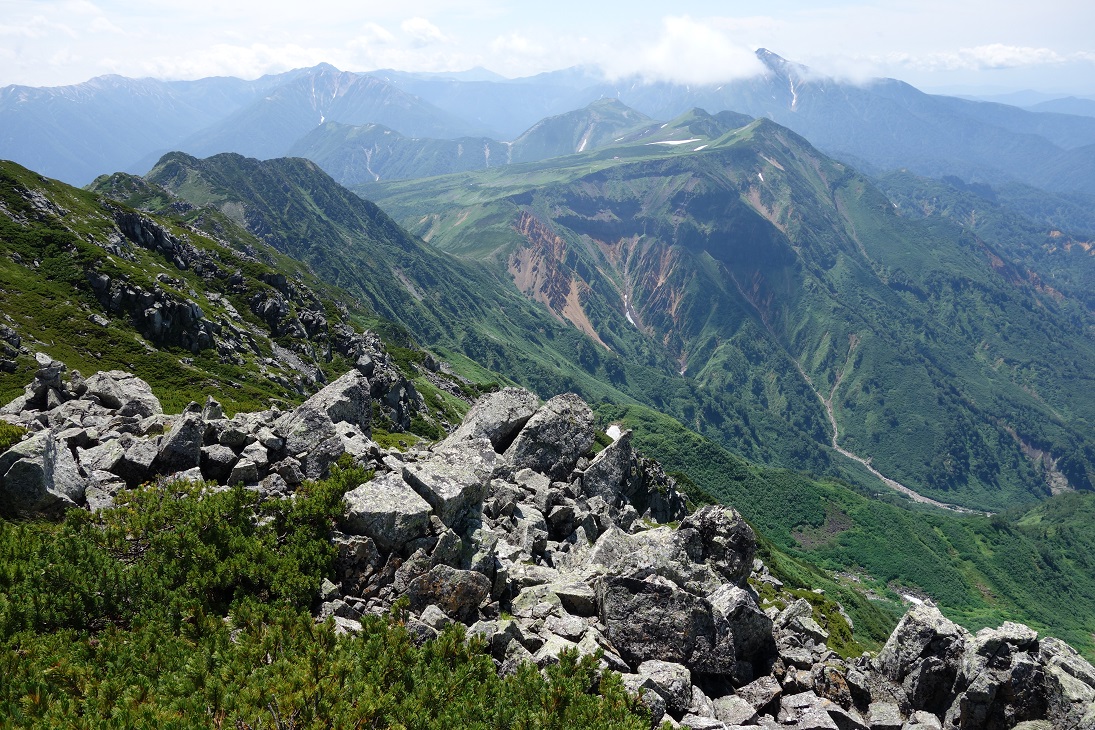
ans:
(554, 438)
(923, 655)
(647, 619)
(387, 510)
(672, 681)
(454, 480)
(39, 475)
(123, 392)
(729, 543)
(751, 627)
(497, 416)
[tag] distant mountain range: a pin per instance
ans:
(77, 132)
(769, 271)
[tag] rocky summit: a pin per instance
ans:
(518, 527)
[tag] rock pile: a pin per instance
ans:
(515, 527)
(91, 437)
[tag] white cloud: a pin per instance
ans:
(516, 43)
(102, 25)
(991, 56)
(371, 34)
(422, 32)
(35, 27)
(687, 51)
(249, 61)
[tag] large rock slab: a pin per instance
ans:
(123, 392)
(554, 438)
(387, 510)
(454, 480)
(498, 417)
(609, 474)
(672, 554)
(346, 400)
(39, 475)
(309, 430)
(647, 619)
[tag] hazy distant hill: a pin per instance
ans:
(108, 123)
(269, 126)
(367, 153)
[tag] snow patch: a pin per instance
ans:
(702, 146)
(664, 126)
(614, 432)
(761, 176)
(912, 599)
(321, 118)
(676, 141)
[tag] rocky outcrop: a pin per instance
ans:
(91, 437)
(514, 527)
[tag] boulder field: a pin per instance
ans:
(518, 527)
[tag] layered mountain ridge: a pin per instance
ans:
(749, 253)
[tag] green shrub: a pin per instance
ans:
(10, 434)
(183, 607)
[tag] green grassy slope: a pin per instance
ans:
(55, 238)
(770, 272)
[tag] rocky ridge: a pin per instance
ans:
(513, 526)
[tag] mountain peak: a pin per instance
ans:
(780, 65)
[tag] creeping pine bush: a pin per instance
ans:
(182, 607)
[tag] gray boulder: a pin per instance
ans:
(39, 475)
(609, 474)
(497, 417)
(670, 680)
(345, 400)
(734, 710)
(181, 447)
(923, 654)
(729, 544)
(387, 510)
(123, 392)
(216, 462)
(1069, 683)
(761, 692)
(642, 687)
(135, 466)
(752, 629)
(647, 619)
(554, 438)
(454, 480)
(458, 593)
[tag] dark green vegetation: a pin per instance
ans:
(774, 277)
(1032, 564)
(181, 608)
(1050, 235)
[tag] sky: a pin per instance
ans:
(948, 46)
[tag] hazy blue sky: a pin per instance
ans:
(952, 45)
